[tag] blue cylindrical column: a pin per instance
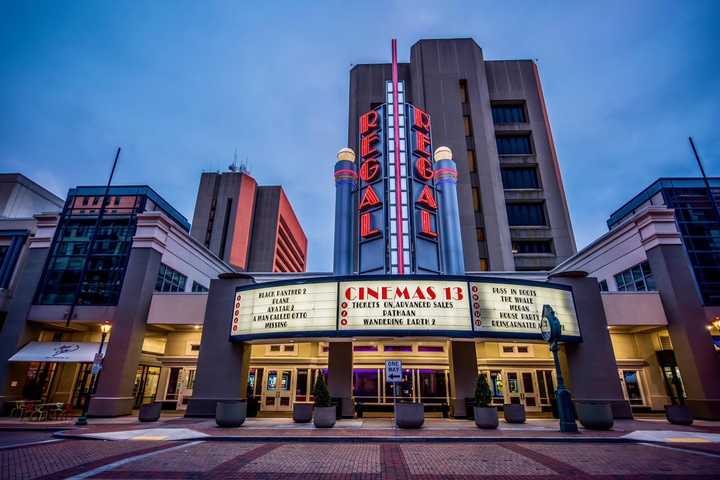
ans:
(446, 182)
(345, 183)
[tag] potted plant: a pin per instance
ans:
(302, 412)
(678, 414)
(594, 415)
(230, 414)
(485, 415)
(325, 412)
(150, 412)
(514, 412)
(409, 414)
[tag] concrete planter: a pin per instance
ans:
(230, 414)
(409, 415)
(302, 412)
(514, 412)
(594, 415)
(150, 412)
(678, 414)
(486, 417)
(324, 417)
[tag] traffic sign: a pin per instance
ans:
(393, 371)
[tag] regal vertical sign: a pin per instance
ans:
(397, 201)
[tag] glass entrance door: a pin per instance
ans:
(186, 380)
(521, 389)
(277, 390)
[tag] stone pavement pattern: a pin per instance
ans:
(355, 461)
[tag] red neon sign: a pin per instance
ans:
(367, 147)
(426, 225)
(369, 122)
(369, 199)
(366, 228)
(427, 198)
(369, 170)
(422, 120)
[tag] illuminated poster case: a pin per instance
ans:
(419, 305)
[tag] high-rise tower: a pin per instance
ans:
(492, 115)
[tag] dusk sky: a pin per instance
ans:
(181, 85)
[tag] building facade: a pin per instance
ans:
(253, 228)
(659, 259)
(52, 330)
(492, 115)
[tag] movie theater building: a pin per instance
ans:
(400, 290)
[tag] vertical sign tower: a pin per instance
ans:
(396, 203)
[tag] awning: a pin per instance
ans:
(57, 352)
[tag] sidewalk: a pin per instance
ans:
(371, 430)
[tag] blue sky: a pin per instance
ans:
(181, 85)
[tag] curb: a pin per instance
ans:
(378, 439)
(36, 429)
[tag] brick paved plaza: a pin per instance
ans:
(129, 459)
(178, 448)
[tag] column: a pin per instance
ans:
(222, 368)
(345, 183)
(592, 372)
(463, 376)
(451, 241)
(693, 347)
(340, 365)
(114, 394)
(16, 332)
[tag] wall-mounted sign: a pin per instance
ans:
(420, 305)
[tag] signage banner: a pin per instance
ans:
(421, 305)
(403, 307)
(286, 309)
(511, 308)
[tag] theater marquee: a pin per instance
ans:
(413, 306)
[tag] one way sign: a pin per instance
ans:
(393, 371)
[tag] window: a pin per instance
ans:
(468, 126)
(69, 254)
(464, 92)
(397, 348)
(472, 161)
(516, 350)
(484, 265)
(365, 348)
(603, 286)
(526, 214)
(532, 246)
(513, 145)
(480, 234)
(431, 348)
(519, 178)
(170, 280)
(197, 287)
(514, 113)
(636, 279)
(476, 199)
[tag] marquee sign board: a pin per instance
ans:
(513, 308)
(410, 305)
(420, 305)
(285, 309)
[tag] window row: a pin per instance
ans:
(636, 279)
(169, 280)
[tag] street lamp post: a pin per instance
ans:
(97, 366)
(551, 331)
